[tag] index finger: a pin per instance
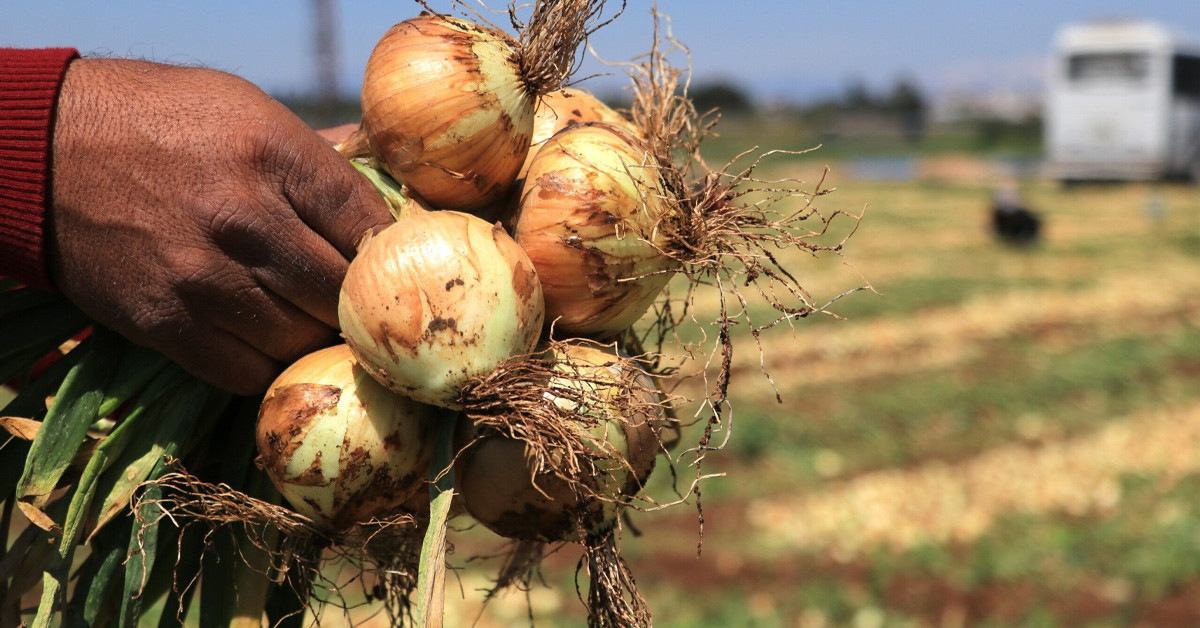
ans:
(329, 195)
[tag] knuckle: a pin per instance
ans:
(266, 145)
(158, 323)
(239, 229)
(187, 267)
(226, 216)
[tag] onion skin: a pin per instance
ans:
(338, 446)
(588, 209)
(437, 299)
(446, 111)
(498, 486)
(566, 108)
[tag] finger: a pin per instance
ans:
(330, 196)
(309, 281)
(280, 330)
(283, 254)
(264, 321)
(225, 361)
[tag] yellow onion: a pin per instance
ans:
(503, 492)
(588, 211)
(436, 299)
(339, 447)
(446, 111)
(564, 108)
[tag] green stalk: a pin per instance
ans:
(95, 602)
(431, 579)
(399, 204)
(56, 577)
(182, 412)
(77, 403)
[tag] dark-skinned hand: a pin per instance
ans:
(195, 215)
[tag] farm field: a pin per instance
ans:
(998, 437)
(988, 436)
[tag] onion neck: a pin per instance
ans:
(356, 145)
(393, 194)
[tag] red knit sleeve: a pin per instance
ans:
(29, 83)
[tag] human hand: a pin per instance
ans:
(195, 215)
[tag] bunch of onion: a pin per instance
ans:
(338, 446)
(436, 299)
(595, 193)
(608, 218)
(567, 443)
(448, 104)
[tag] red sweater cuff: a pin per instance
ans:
(29, 84)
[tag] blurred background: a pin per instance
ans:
(1006, 432)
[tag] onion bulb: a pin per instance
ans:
(448, 105)
(338, 446)
(565, 108)
(588, 211)
(501, 489)
(436, 299)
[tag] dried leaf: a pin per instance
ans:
(25, 429)
(39, 518)
(170, 424)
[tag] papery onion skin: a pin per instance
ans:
(446, 111)
(498, 487)
(566, 108)
(338, 446)
(586, 218)
(437, 299)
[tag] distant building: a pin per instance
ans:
(1122, 102)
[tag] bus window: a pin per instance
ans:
(1108, 67)
(1186, 76)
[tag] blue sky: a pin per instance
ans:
(787, 49)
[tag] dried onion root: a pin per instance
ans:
(613, 599)
(727, 229)
(384, 550)
(552, 449)
(580, 420)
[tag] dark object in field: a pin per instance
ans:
(1012, 222)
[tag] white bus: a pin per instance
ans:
(1122, 102)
